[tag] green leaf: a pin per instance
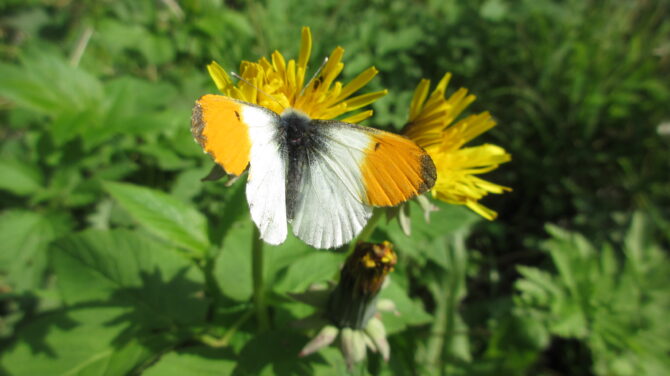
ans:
(287, 267)
(24, 237)
(272, 353)
(19, 177)
(163, 215)
(428, 237)
(87, 341)
(124, 268)
(316, 266)
(48, 84)
(410, 312)
(494, 10)
(233, 262)
(194, 361)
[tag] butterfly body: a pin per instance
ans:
(321, 176)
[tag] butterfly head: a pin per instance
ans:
(296, 124)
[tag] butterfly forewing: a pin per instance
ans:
(356, 168)
(218, 126)
(238, 134)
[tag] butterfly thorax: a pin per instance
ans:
(300, 140)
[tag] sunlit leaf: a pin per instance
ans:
(87, 341)
(203, 361)
(163, 215)
(123, 268)
(19, 177)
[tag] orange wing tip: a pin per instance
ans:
(217, 125)
(395, 170)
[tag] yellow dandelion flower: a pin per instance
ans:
(281, 85)
(430, 126)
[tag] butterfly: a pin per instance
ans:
(322, 176)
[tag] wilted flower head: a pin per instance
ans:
(430, 126)
(277, 85)
(350, 308)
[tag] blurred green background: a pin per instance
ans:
(115, 259)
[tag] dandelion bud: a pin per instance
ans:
(352, 303)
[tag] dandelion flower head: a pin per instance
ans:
(277, 84)
(431, 125)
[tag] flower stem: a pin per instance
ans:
(257, 272)
(367, 230)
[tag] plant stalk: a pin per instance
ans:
(258, 274)
(367, 230)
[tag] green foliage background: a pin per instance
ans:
(115, 259)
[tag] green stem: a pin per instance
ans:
(224, 341)
(439, 329)
(367, 231)
(257, 272)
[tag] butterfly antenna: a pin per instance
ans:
(314, 76)
(255, 87)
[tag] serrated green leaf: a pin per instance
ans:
(274, 352)
(124, 268)
(163, 215)
(316, 266)
(233, 263)
(410, 312)
(80, 342)
(47, 84)
(194, 361)
(24, 237)
(426, 237)
(19, 177)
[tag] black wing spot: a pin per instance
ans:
(377, 145)
(237, 114)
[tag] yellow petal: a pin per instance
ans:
(419, 97)
(364, 100)
(358, 82)
(358, 117)
(305, 52)
(481, 210)
(220, 77)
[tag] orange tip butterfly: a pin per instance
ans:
(321, 176)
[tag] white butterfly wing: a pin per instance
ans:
(329, 209)
(357, 169)
(266, 184)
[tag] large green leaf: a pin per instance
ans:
(88, 341)
(274, 353)
(428, 237)
(233, 263)
(291, 265)
(19, 177)
(124, 268)
(313, 267)
(409, 311)
(201, 361)
(24, 236)
(163, 215)
(47, 84)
